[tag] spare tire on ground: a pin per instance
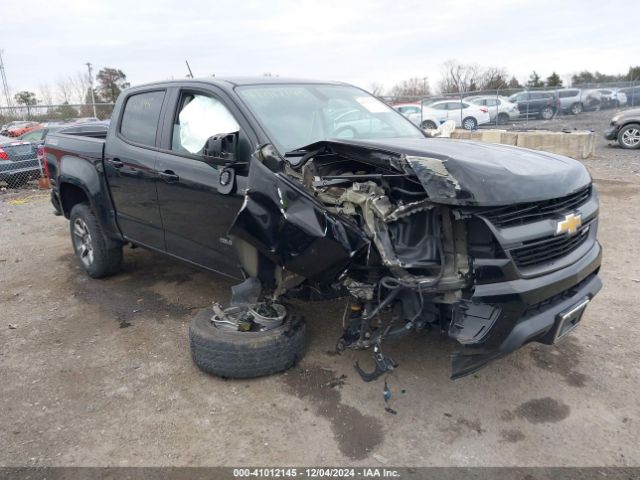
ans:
(225, 352)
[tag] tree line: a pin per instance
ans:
(76, 90)
(458, 77)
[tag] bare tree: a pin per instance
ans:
(79, 83)
(411, 89)
(45, 93)
(457, 77)
(493, 78)
(63, 89)
(376, 89)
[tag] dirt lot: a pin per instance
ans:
(99, 372)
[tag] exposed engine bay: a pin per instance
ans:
(407, 238)
(361, 229)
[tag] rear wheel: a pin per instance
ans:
(629, 136)
(469, 123)
(547, 113)
(503, 118)
(428, 124)
(97, 255)
(576, 108)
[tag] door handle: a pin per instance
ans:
(116, 163)
(169, 176)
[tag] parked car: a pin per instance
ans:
(575, 100)
(536, 104)
(492, 244)
(22, 159)
(633, 95)
(419, 117)
(501, 110)
(86, 120)
(464, 114)
(18, 162)
(625, 128)
(613, 97)
(15, 129)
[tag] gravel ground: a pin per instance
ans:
(98, 372)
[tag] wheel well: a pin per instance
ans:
(71, 195)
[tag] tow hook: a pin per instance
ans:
(383, 364)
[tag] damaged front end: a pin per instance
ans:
(395, 232)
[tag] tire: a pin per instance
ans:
(629, 136)
(428, 124)
(576, 108)
(226, 353)
(547, 113)
(503, 118)
(469, 123)
(94, 250)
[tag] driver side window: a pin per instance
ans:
(198, 118)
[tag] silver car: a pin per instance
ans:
(501, 110)
(576, 100)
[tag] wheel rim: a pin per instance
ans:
(82, 242)
(576, 109)
(631, 137)
(469, 124)
(547, 113)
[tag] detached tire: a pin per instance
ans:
(230, 354)
(96, 253)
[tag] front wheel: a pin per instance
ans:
(469, 123)
(224, 352)
(629, 137)
(97, 255)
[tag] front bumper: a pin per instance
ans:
(501, 317)
(611, 133)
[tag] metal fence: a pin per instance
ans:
(23, 130)
(515, 107)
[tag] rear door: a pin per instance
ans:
(130, 167)
(195, 215)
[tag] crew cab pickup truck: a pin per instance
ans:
(268, 181)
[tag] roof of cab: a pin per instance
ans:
(231, 82)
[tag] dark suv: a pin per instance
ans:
(542, 105)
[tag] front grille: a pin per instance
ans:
(542, 251)
(522, 213)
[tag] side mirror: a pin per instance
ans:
(221, 148)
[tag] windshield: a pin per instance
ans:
(297, 115)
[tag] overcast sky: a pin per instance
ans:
(359, 41)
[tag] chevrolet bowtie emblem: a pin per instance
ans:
(569, 225)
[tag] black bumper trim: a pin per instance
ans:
(512, 330)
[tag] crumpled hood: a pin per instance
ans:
(460, 172)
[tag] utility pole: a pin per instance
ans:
(93, 98)
(5, 84)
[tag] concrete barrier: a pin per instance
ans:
(578, 144)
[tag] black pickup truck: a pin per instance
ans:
(319, 190)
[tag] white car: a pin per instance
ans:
(501, 110)
(613, 97)
(465, 114)
(412, 112)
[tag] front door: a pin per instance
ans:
(195, 215)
